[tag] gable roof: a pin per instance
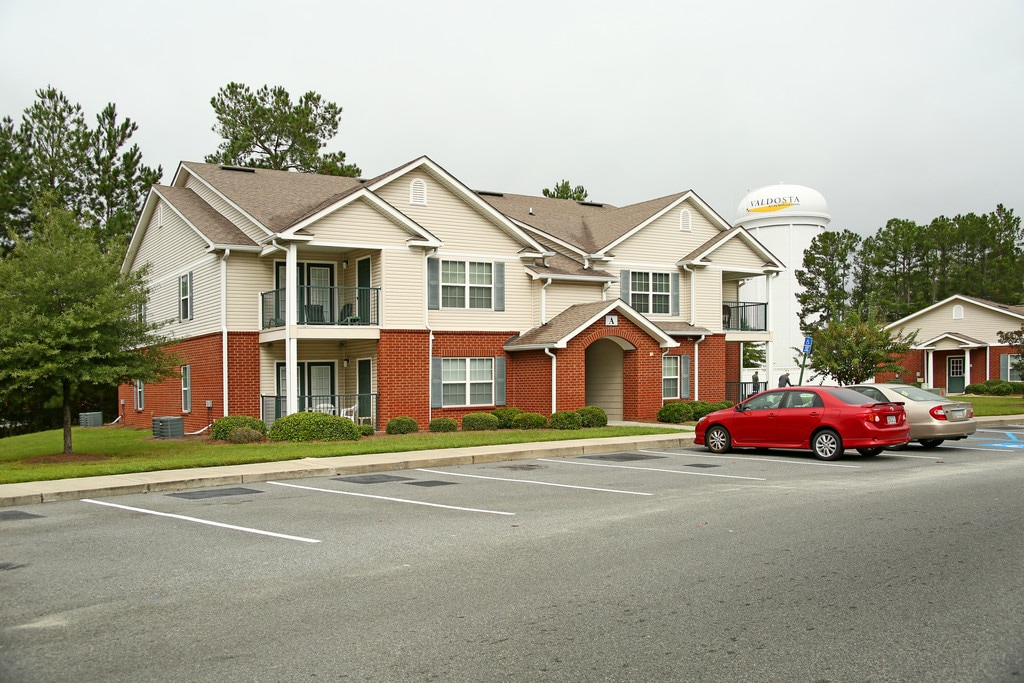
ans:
(1015, 312)
(560, 330)
(274, 200)
(701, 256)
(961, 339)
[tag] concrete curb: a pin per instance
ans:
(55, 490)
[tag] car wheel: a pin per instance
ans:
(717, 439)
(870, 452)
(827, 445)
(931, 443)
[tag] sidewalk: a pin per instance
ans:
(176, 480)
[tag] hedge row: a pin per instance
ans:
(678, 412)
(995, 387)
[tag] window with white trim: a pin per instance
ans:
(650, 292)
(467, 381)
(139, 395)
(418, 192)
(186, 388)
(685, 221)
(670, 376)
(185, 296)
(1010, 374)
(467, 284)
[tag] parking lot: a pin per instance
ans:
(142, 580)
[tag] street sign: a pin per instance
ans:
(807, 345)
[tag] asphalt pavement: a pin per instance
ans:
(200, 477)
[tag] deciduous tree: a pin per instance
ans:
(853, 349)
(69, 318)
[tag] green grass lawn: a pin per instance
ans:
(120, 450)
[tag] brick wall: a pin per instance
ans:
(204, 355)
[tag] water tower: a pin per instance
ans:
(784, 218)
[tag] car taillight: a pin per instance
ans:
(938, 413)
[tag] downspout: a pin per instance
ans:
(604, 291)
(544, 302)
(693, 293)
(430, 334)
(696, 367)
(291, 345)
(554, 381)
(224, 327)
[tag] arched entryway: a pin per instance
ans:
(604, 374)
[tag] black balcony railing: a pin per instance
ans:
(745, 316)
(741, 391)
(324, 306)
(360, 408)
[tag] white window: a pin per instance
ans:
(418, 192)
(467, 381)
(185, 297)
(466, 284)
(1009, 374)
(958, 312)
(684, 221)
(186, 388)
(139, 394)
(670, 376)
(650, 292)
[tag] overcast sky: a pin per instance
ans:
(890, 109)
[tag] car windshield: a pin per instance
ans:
(854, 398)
(915, 394)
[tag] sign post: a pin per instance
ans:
(803, 362)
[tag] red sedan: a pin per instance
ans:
(824, 420)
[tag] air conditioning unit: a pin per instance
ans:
(168, 427)
(90, 419)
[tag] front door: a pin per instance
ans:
(955, 379)
(363, 299)
(363, 388)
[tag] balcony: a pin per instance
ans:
(360, 408)
(744, 316)
(324, 306)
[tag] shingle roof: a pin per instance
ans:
(560, 326)
(277, 199)
(214, 226)
(587, 225)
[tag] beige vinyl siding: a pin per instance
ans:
(519, 301)
(448, 217)
(978, 322)
(403, 295)
(225, 209)
(562, 295)
(173, 249)
(603, 382)
(248, 276)
(662, 242)
(709, 297)
(731, 290)
(736, 254)
(361, 224)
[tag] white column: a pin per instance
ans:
(291, 346)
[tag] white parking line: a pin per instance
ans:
(202, 521)
(653, 469)
(740, 457)
(394, 500)
(539, 483)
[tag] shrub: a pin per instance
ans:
(701, 408)
(676, 412)
(995, 387)
(477, 422)
(313, 426)
(223, 427)
(565, 419)
(443, 424)
(402, 425)
(506, 416)
(529, 421)
(246, 435)
(593, 416)
(366, 430)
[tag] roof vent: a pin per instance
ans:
(590, 204)
(240, 169)
(486, 193)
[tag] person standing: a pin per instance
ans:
(784, 380)
(755, 383)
